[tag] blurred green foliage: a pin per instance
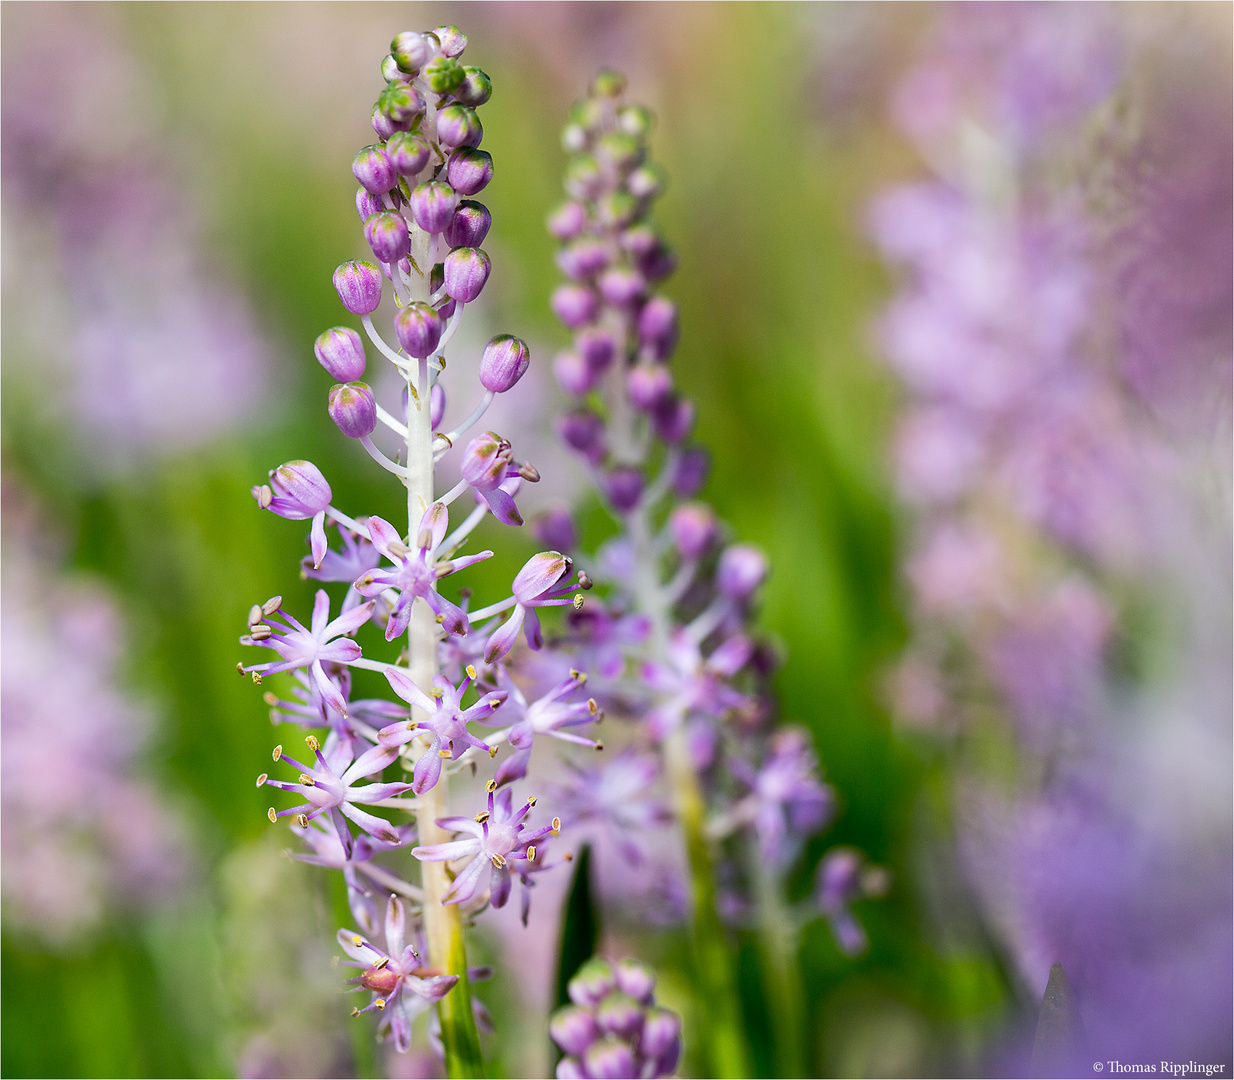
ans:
(777, 288)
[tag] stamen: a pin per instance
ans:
(278, 752)
(261, 632)
(381, 963)
(262, 779)
(380, 1003)
(307, 781)
(471, 671)
(491, 786)
(272, 816)
(599, 745)
(556, 825)
(482, 817)
(498, 861)
(447, 754)
(568, 856)
(302, 820)
(312, 743)
(577, 602)
(584, 580)
(240, 668)
(493, 702)
(531, 852)
(356, 939)
(355, 1012)
(492, 752)
(256, 679)
(592, 706)
(272, 605)
(270, 698)
(531, 800)
(255, 614)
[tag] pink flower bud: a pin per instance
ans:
(649, 385)
(387, 235)
(432, 204)
(582, 430)
(359, 287)
(410, 51)
(567, 221)
(597, 347)
(574, 305)
(341, 352)
(368, 204)
(469, 226)
(625, 487)
(694, 528)
(418, 328)
(503, 363)
(353, 408)
(459, 125)
(741, 570)
(437, 405)
(408, 153)
(693, 465)
(584, 258)
(373, 169)
(475, 89)
(466, 271)
(673, 419)
(573, 373)
(469, 170)
(453, 40)
(657, 327)
(621, 286)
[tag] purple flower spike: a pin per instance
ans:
(340, 351)
(408, 153)
(636, 980)
(418, 328)
(573, 373)
(625, 487)
(470, 225)
(309, 647)
(741, 571)
(498, 844)
(673, 419)
(597, 346)
(584, 258)
(387, 235)
(574, 305)
(567, 221)
(354, 409)
(694, 529)
(432, 204)
(410, 51)
(359, 287)
(649, 386)
(368, 204)
(459, 125)
(373, 170)
(609, 1059)
(504, 361)
(467, 270)
(583, 430)
(469, 170)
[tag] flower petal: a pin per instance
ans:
(503, 638)
(321, 613)
(539, 575)
(317, 538)
(447, 852)
(434, 522)
(402, 685)
(384, 537)
(503, 506)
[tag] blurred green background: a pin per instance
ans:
(772, 128)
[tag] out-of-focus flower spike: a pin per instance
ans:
(575, 305)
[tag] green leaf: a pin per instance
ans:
(580, 929)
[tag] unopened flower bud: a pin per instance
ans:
(443, 74)
(574, 138)
(625, 487)
(609, 1059)
(582, 429)
(358, 285)
(467, 270)
(574, 305)
(584, 177)
(621, 286)
(619, 151)
(353, 408)
(368, 204)
(645, 182)
(504, 360)
(639, 240)
(418, 328)
(608, 83)
(373, 169)
(673, 419)
(475, 89)
(694, 528)
(410, 51)
(437, 405)
(592, 983)
(486, 460)
(570, 1068)
(597, 346)
(657, 327)
(390, 71)
(432, 204)
(617, 209)
(555, 529)
(401, 103)
(573, 1029)
(453, 40)
(340, 351)
(741, 570)
(693, 465)
(649, 385)
(387, 235)
(620, 1015)
(574, 374)
(383, 125)
(584, 258)
(459, 125)
(470, 224)
(635, 979)
(469, 170)
(658, 264)
(408, 153)
(636, 120)
(661, 1039)
(298, 491)
(567, 221)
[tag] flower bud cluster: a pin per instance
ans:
(673, 650)
(425, 234)
(614, 1027)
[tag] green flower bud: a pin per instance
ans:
(443, 74)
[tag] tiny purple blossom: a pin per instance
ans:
(537, 584)
(488, 461)
(549, 714)
(497, 839)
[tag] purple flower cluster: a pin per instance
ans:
(670, 650)
(425, 233)
(1049, 503)
(614, 1027)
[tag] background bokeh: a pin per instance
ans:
(176, 195)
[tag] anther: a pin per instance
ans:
(380, 1003)
(307, 781)
(440, 619)
(356, 939)
(278, 753)
(584, 580)
(262, 779)
(255, 614)
(568, 856)
(577, 676)
(499, 861)
(437, 691)
(270, 698)
(491, 786)
(272, 605)
(382, 963)
(556, 825)
(531, 852)
(443, 437)
(446, 753)
(261, 632)
(531, 800)
(529, 472)
(272, 816)
(492, 752)
(312, 743)
(577, 602)
(592, 706)
(482, 817)
(334, 961)
(355, 1012)
(599, 745)
(256, 679)
(240, 669)
(471, 671)
(302, 820)
(493, 702)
